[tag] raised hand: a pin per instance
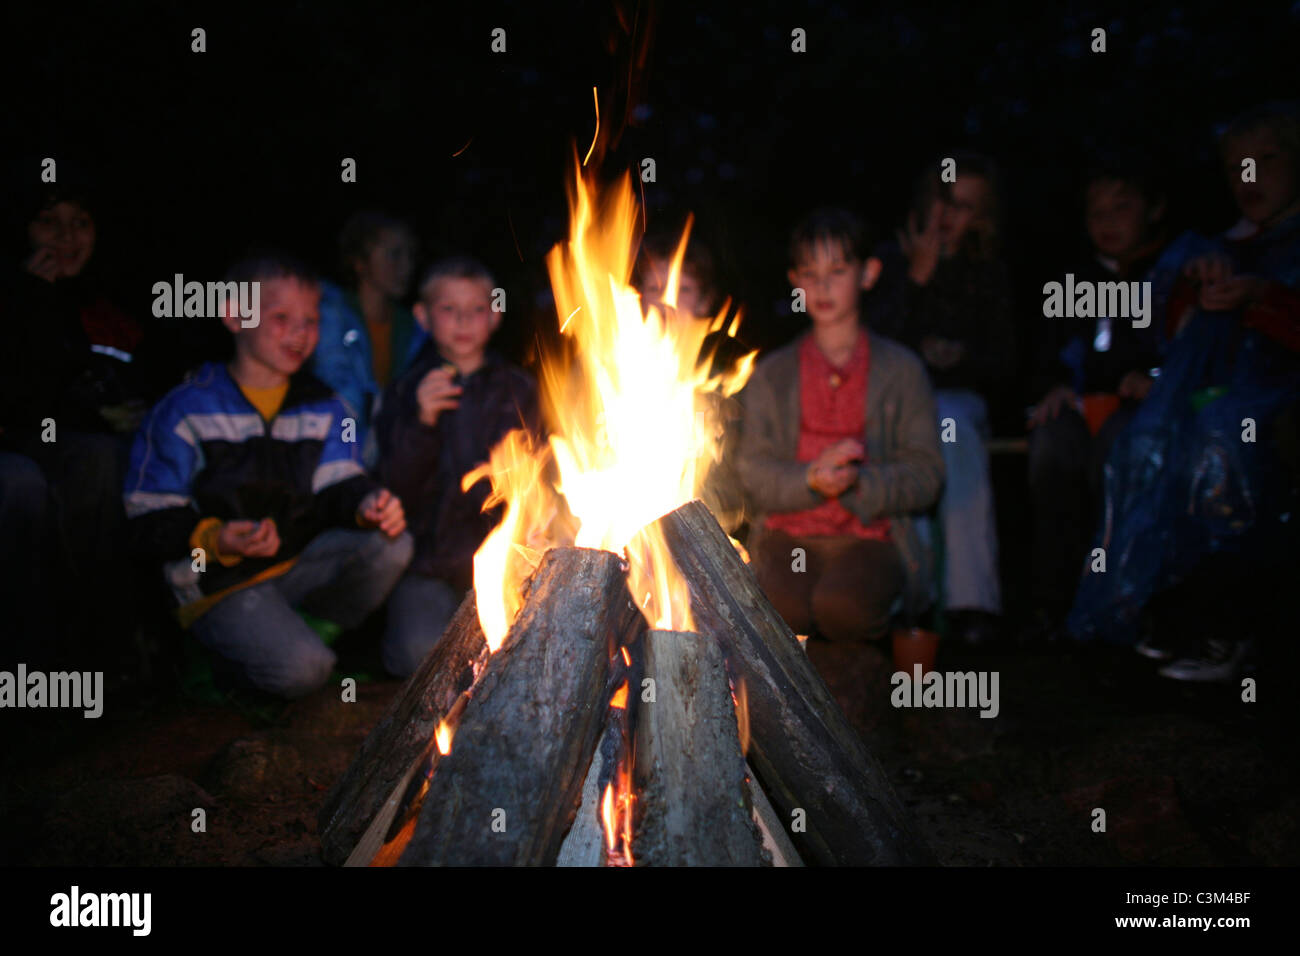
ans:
(383, 510)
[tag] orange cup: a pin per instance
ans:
(1097, 407)
(914, 645)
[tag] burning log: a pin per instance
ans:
(808, 756)
(364, 801)
(508, 791)
(689, 769)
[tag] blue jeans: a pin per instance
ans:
(418, 612)
(970, 534)
(342, 575)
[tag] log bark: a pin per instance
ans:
(508, 791)
(805, 751)
(375, 781)
(692, 803)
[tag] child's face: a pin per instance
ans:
(288, 327)
(458, 314)
(691, 298)
(1269, 199)
(831, 281)
(965, 206)
(389, 264)
(68, 231)
(1118, 218)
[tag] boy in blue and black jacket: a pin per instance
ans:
(246, 485)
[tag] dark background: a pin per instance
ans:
(196, 156)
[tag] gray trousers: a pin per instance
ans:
(418, 613)
(342, 576)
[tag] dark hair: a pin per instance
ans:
(454, 267)
(29, 201)
(1280, 117)
(984, 238)
(662, 244)
(261, 265)
(835, 225)
(360, 232)
(1129, 167)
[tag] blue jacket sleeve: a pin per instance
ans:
(160, 509)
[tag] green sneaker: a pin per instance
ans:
(327, 631)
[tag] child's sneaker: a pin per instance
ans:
(1219, 659)
(327, 631)
(1154, 648)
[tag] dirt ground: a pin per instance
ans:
(1186, 776)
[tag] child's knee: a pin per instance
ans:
(393, 554)
(304, 669)
(387, 555)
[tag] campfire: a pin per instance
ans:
(616, 690)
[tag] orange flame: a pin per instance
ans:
(616, 817)
(607, 816)
(443, 735)
(633, 431)
(619, 700)
(740, 697)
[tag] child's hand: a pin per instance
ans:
(1232, 293)
(834, 471)
(1221, 291)
(1208, 269)
(383, 510)
(125, 417)
(43, 264)
(1135, 385)
(922, 247)
(1051, 405)
(437, 393)
(252, 539)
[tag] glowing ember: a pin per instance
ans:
(633, 431)
(443, 736)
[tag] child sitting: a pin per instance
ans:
(839, 448)
(368, 336)
(1086, 364)
(945, 293)
(1200, 474)
(436, 423)
(697, 299)
(248, 487)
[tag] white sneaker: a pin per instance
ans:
(1150, 647)
(1219, 659)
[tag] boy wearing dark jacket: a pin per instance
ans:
(246, 484)
(437, 422)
